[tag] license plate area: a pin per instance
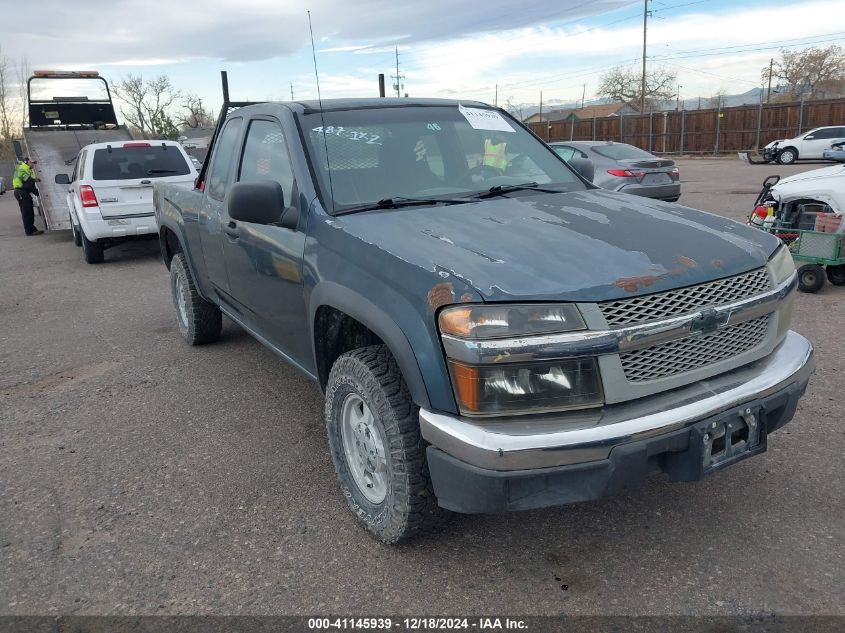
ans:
(730, 438)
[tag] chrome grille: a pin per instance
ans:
(664, 305)
(691, 353)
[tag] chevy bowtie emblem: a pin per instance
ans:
(709, 321)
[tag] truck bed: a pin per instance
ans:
(55, 151)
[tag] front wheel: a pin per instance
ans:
(788, 156)
(376, 447)
(810, 278)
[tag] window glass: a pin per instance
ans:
(224, 154)
(364, 155)
(266, 157)
(83, 159)
(141, 161)
(566, 153)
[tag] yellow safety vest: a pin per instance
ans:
(494, 155)
(23, 172)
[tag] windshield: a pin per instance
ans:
(621, 151)
(378, 153)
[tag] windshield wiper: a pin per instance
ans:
(498, 190)
(162, 171)
(397, 202)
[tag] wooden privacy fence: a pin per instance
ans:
(708, 131)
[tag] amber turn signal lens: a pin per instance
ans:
(466, 386)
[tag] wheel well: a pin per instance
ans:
(336, 333)
(170, 245)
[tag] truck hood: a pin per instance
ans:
(590, 245)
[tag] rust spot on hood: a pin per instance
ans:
(440, 295)
(686, 261)
(632, 284)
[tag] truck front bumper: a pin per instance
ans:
(495, 465)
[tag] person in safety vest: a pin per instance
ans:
(23, 183)
(494, 153)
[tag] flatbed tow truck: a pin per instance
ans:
(67, 111)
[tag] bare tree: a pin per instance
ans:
(812, 72)
(7, 104)
(515, 110)
(717, 100)
(194, 113)
(147, 102)
(22, 73)
(622, 83)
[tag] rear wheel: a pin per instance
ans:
(92, 251)
(788, 156)
(77, 234)
(836, 275)
(810, 278)
(376, 447)
(199, 320)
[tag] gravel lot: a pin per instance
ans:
(142, 476)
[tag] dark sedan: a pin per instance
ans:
(625, 168)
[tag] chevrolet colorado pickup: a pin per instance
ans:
(490, 330)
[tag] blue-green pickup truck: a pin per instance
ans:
(490, 330)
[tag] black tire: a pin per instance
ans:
(810, 278)
(92, 251)
(199, 321)
(77, 234)
(836, 274)
(675, 199)
(788, 156)
(409, 506)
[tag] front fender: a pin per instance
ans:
(328, 293)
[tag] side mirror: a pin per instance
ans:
(584, 166)
(62, 179)
(259, 202)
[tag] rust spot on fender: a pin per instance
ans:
(440, 295)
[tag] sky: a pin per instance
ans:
(492, 51)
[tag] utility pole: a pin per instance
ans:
(398, 85)
(381, 84)
(678, 98)
(645, 29)
(291, 91)
(769, 91)
(496, 97)
(583, 95)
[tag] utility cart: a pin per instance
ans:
(822, 254)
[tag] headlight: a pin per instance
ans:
(499, 321)
(534, 388)
(781, 265)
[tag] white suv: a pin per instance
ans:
(110, 194)
(809, 145)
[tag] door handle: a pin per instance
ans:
(231, 229)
